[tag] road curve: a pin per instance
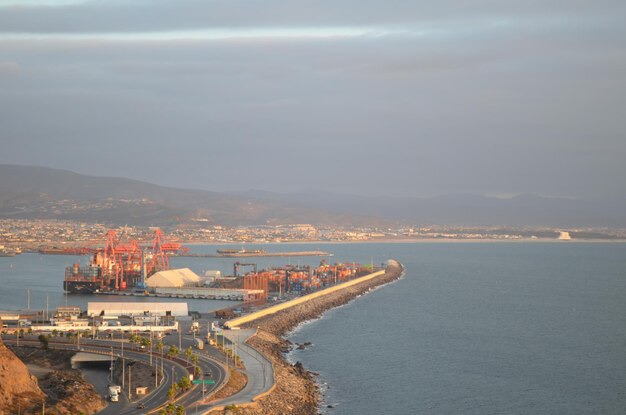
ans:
(156, 399)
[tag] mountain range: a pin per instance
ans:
(32, 192)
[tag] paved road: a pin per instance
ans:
(258, 369)
(159, 396)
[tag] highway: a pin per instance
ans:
(154, 400)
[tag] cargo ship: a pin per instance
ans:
(83, 280)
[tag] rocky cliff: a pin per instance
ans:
(19, 391)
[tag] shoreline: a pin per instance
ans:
(296, 390)
(34, 249)
(415, 241)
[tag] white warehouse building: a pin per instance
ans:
(137, 309)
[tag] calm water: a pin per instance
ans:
(480, 329)
(43, 275)
(472, 328)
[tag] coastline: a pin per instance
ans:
(413, 241)
(34, 248)
(296, 390)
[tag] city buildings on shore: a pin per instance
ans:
(33, 235)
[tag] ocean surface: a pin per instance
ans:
(472, 328)
(479, 328)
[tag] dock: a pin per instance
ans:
(257, 254)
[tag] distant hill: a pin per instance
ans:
(40, 192)
(45, 193)
(467, 209)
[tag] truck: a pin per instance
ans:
(114, 392)
(199, 344)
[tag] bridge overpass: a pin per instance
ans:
(84, 357)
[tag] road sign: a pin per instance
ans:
(206, 382)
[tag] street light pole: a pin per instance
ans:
(129, 383)
(150, 347)
(111, 368)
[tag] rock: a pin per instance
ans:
(18, 389)
(296, 392)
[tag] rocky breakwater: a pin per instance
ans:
(295, 390)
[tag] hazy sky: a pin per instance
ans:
(367, 97)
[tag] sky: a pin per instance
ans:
(396, 97)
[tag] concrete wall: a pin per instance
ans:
(283, 306)
(190, 292)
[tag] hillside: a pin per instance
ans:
(467, 209)
(18, 389)
(29, 192)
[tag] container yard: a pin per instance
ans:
(127, 268)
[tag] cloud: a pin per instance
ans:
(492, 97)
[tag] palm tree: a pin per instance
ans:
(172, 392)
(172, 352)
(44, 341)
(184, 383)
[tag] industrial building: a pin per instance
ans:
(174, 278)
(137, 309)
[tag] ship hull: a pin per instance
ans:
(81, 287)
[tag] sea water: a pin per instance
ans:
(479, 328)
(472, 328)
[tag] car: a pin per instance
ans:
(140, 405)
(208, 374)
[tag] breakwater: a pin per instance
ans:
(295, 390)
(257, 254)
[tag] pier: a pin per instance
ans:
(257, 254)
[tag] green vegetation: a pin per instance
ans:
(173, 352)
(44, 341)
(188, 353)
(172, 409)
(184, 383)
(172, 392)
